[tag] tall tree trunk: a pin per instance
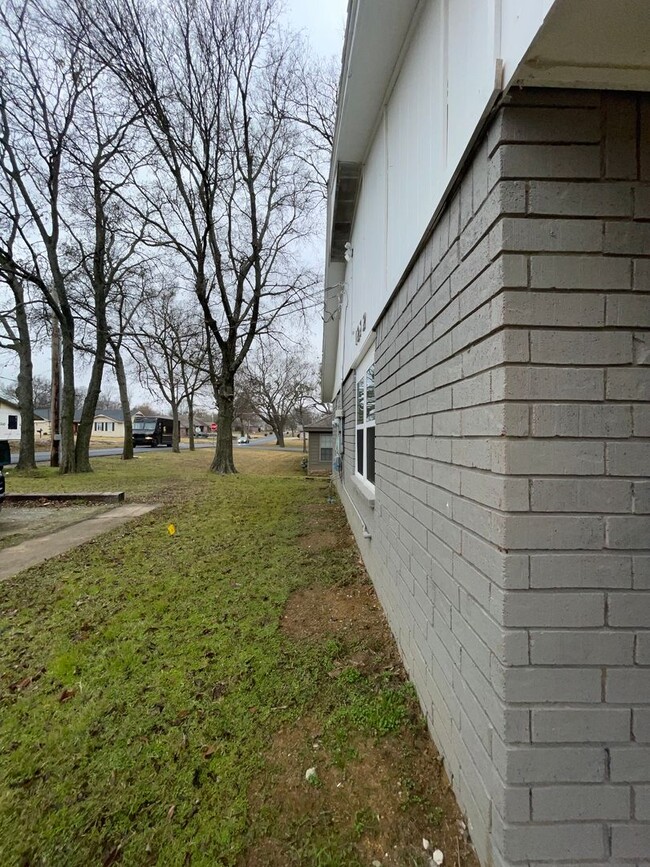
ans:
(190, 421)
(67, 463)
(278, 430)
(120, 375)
(55, 396)
(84, 434)
(25, 393)
(176, 429)
(225, 397)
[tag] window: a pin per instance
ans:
(365, 419)
(326, 448)
(12, 422)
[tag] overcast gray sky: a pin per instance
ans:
(323, 21)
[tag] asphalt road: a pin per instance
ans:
(44, 457)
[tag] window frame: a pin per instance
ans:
(361, 378)
(329, 448)
(12, 422)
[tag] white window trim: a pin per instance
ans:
(360, 373)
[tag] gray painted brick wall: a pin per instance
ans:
(510, 529)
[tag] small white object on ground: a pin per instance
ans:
(310, 774)
(437, 857)
(425, 843)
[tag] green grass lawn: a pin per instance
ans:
(147, 686)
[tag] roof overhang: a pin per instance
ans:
(596, 44)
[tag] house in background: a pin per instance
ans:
(320, 446)
(9, 419)
(487, 346)
(109, 423)
(42, 427)
(201, 426)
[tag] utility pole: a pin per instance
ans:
(55, 401)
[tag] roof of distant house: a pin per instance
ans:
(321, 424)
(114, 414)
(43, 414)
(9, 402)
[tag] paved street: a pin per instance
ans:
(262, 442)
(44, 457)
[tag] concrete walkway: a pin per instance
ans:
(34, 551)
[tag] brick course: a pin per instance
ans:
(510, 529)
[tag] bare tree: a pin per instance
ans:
(313, 104)
(243, 409)
(273, 380)
(308, 404)
(104, 240)
(127, 295)
(190, 344)
(42, 79)
(168, 349)
(232, 194)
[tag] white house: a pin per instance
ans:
(487, 347)
(109, 423)
(9, 420)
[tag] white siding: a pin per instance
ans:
(5, 432)
(442, 90)
(472, 42)
(415, 132)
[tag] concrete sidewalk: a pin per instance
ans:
(34, 551)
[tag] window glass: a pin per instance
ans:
(12, 422)
(370, 393)
(326, 448)
(370, 441)
(365, 422)
(360, 401)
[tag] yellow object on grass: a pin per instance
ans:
(171, 529)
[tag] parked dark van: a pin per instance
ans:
(152, 431)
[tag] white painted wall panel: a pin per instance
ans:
(471, 66)
(442, 89)
(415, 139)
(366, 273)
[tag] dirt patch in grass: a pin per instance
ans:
(378, 786)
(319, 541)
(327, 612)
(379, 805)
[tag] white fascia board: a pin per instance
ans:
(379, 30)
(332, 306)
